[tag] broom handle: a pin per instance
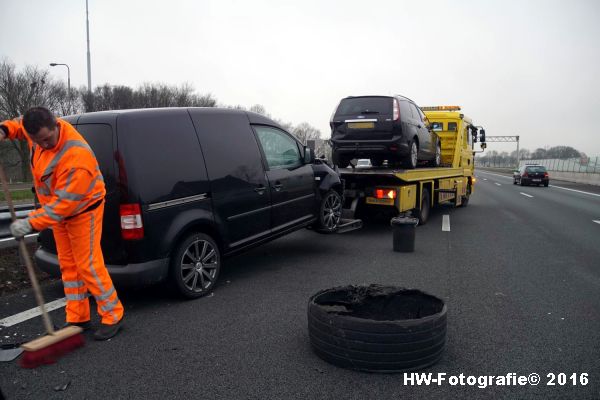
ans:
(26, 258)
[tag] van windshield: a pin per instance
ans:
(365, 106)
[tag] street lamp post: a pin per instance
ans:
(68, 77)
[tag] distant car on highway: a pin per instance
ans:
(363, 163)
(531, 175)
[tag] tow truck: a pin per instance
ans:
(416, 191)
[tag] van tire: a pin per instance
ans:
(341, 334)
(425, 208)
(195, 266)
(330, 212)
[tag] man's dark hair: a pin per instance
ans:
(37, 118)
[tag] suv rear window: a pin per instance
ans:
(365, 106)
(537, 168)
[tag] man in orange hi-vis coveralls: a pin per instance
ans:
(70, 189)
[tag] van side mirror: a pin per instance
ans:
(309, 156)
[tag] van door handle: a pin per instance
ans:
(260, 189)
(277, 186)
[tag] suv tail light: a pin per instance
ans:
(396, 110)
(385, 193)
(545, 174)
(525, 175)
(132, 227)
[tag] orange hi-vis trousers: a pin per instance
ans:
(83, 270)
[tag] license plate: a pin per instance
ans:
(381, 202)
(536, 180)
(361, 125)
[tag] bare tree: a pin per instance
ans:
(21, 90)
(304, 131)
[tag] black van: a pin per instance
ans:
(187, 186)
(391, 128)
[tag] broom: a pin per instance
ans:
(45, 349)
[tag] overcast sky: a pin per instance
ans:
(528, 68)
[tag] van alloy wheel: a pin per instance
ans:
(196, 265)
(330, 212)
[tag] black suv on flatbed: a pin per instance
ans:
(186, 186)
(382, 128)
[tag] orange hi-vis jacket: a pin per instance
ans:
(67, 178)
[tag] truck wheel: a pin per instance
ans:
(330, 212)
(423, 211)
(195, 266)
(377, 328)
(464, 201)
(410, 161)
(437, 158)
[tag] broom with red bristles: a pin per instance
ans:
(45, 349)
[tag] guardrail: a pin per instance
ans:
(6, 239)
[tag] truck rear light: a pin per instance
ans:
(385, 193)
(132, 227)
(396, 116)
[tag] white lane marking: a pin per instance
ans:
(497, 184)
(502, 176)
(573, 190)
(31, 313)
(598, 222)
(485, 179)
(446, 223)
(525, 194)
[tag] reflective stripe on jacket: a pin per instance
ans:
(67, 178)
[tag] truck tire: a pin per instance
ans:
(377, 328)
(424, 210)
(464, 201)
(330, 212)
(195, 266)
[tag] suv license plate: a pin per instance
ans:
(361, 125)
(536, 180)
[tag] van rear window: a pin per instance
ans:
(365, 106)
(100, 139)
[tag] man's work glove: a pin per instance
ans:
(20, 228)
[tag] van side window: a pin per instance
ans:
(415, 112)
(405, 109)
(452, 126)
(281, 151)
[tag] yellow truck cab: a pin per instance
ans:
(417, 190)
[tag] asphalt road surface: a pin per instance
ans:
(519, 271)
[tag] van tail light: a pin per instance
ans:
(132, 227)
(385, 193)
(396, 110)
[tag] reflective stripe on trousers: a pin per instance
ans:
(83, 270)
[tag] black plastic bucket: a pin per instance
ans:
(404, 233)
